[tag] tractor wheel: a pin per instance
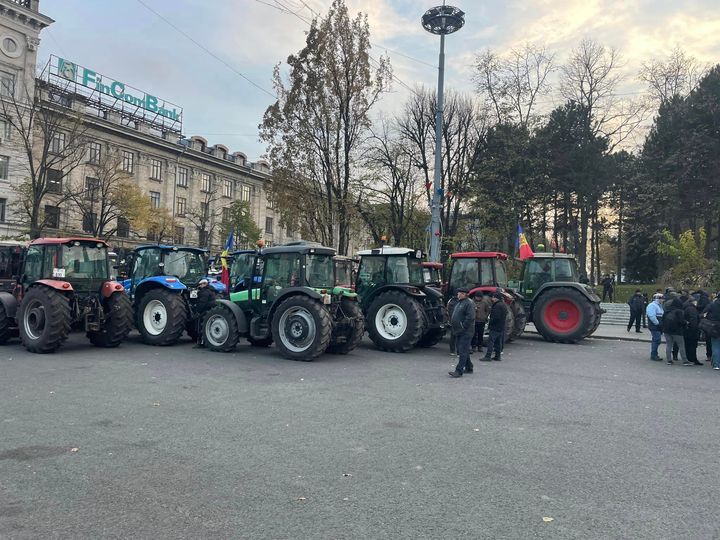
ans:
(351, 310)
(44, 319)
(301, 328)
(563, 315)
(395, 321)
(220, 331)
(118, 322)
(263, 342)
(519, 319)
(161, 317)
(5, 325)
(432, 337)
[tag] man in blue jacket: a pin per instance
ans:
(463, 328)
(654, 312)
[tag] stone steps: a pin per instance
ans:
(616, 314)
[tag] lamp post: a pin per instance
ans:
(440, 20)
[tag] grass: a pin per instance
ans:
(623, 292)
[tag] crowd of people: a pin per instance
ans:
(679, 318)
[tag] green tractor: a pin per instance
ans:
(401, 310)
(288, 296)
(562, 309)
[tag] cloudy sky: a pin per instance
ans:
(235, 38)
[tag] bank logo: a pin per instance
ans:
(67, 70)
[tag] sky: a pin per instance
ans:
(232, 41)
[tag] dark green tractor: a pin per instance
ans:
(401, 310)
(286, 295)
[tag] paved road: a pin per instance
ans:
(181, 443)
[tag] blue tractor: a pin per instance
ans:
(162, 285)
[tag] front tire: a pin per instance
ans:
(118, 322)
(301, 328)
(519, 319)
(563, 315)
(395, 321)
(352, 336)
(44, 319)
(220, 331)
(161, 317)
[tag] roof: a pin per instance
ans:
(299, 248)
(552, 255)
(428, 264)
(171, 248)
(386, 250)
(55, 241)
(480, 255)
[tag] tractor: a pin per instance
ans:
(484, 271)
(401, 311)
(287, 295)
(562, 309)
(241, 264)
(162, 284)
(10, 258)
(345, 271)
(64, 283)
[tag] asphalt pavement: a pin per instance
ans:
(556, 441)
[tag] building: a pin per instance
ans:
(187, 179)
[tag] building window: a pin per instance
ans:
(89, 220)
(54, 181)
(95, 149)
(92, 186)
(57, 143)
(268, 225)
(182, 177)
(4, 165)
(4, 128)
(180, 206)
(123, 227)
(3, 206)
(155, 169)
(226, 216)
(155, 199)
(52, 217)
(206, 183)
(179, 237)
(152, 235)
(128, 161)
(245, 193)
(205, 210)
(7, 84)
(228, 188)
(203, 237)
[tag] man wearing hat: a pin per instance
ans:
(463, 328)
(655, 312)
(204, 302)
(496, 327)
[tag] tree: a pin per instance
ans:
(53, 142)
(205, 216)
(238, 219)
(161, 226)
(108, 194)
(319, 122)
(677, 75)
(691, 268)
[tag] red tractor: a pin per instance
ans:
(484, 271)
(65, 283)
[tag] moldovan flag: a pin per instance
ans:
(225, 274)
(526, 251)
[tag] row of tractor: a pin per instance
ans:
(299, 296)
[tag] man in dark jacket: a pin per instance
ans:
(692, 332)
(204, 302)
(674, 326)
(712, 312)
(483, 304)
(702, 306)
(496, 328)
(637, 306)
(463, 328)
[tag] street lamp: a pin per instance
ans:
(440, 20)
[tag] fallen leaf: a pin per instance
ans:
(345, 499)
(347, 474)
(301, 499)
(476, 429)
(156, 403)
(74, 449)
(548, 519)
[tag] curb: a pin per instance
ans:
(596, 336)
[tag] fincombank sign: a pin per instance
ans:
(116, 89)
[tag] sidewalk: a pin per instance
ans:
(610, 331)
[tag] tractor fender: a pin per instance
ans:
(166, 282)
(9, 302)
(407, 289)
(111, 287)
(582, 289)
(240, 318)
(55, 284)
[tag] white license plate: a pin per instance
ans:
(193, 294)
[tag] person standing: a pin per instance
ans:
(644, 315)
(496, 328)
(654, 312)
(712, 313)
(204, 303)
(607, 287)
(452, 303)
(463, 325)
(702, 306)
(692, 331)
(674, 327)
(636, 303)
(483, 304)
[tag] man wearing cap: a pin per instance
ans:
(496, 327)
(204, 302)
(463, 328)
(654, 312)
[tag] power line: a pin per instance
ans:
(208, 51)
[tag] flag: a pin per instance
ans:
(524, 248)
(225, 274)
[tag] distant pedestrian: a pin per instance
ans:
(452, 303)
(496, 328)
(483, 304)
(644, 314)
(674, 324)
(712, 314)
(608, 288)
(636, 303)
(692, 331)
(655, 313)
(463, 325)
(204, 302)
(703, 302)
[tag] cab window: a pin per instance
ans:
(464, 274)
(33, 264)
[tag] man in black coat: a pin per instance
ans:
(496, 328)
(674, 324)
(204, 302)
(692, 332)
(637, 306)
(463, 328)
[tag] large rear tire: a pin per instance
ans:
(44, 319)
(350, 336)
(395, 321)
(220, 331)
(519, 319)
(301, 328)
(118, 322)
(6, 324)
(563, 315)
(161, 317)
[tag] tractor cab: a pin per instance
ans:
(345, 271)
(242, 269)
(185, 265)
(11, 254)
(388, 266)
(546, 268)
(477, 270)
(432, 273)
